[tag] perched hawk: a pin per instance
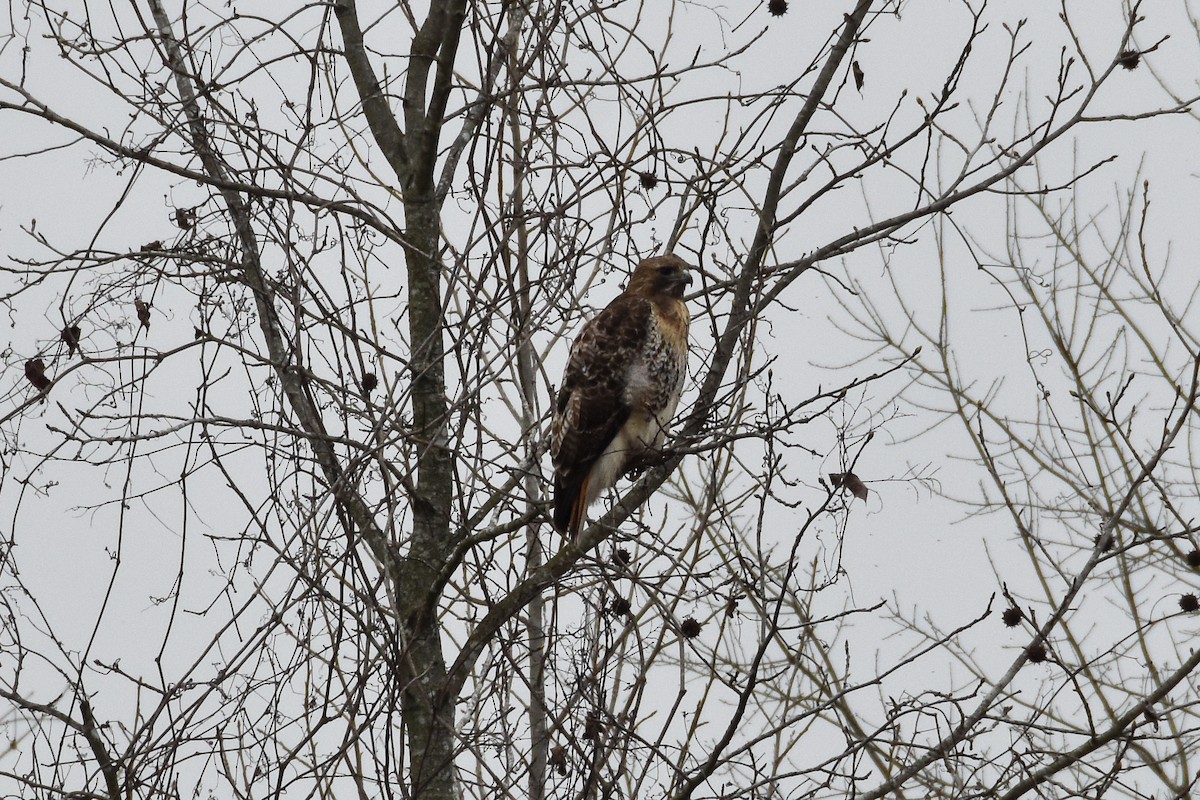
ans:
(621, 387)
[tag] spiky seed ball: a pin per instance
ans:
(369, 382)
(1037, 653)
(619, 607)
(1012, 616)
(1193, 559)
(621, 557)
(690, 628)
(1129, 59)
(1189, 603)
(777, 7)
(648, 179)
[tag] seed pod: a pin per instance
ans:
(1129, 59)
(619, 607)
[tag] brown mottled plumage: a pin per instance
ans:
(622, 384)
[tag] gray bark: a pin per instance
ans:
(411, 149)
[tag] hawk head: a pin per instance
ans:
(661, 275)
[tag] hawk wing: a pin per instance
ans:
(593, 403)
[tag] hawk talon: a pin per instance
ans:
(647, 461)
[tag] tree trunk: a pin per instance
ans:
(422, 666)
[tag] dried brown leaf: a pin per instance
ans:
(35, 373)
(848, 480)
(558, 759)
(70, 337)
(143, 312)
(185, 218)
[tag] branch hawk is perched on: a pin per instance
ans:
(622, 384)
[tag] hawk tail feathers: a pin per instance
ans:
(579, 509)
(570, 503)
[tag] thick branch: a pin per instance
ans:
(1120, 725)
(968, 724)
(565, 559)
(225, 182)
(388, 135)
(291, 379)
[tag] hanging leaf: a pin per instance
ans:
(593, 728)
(848, 480)
(185, 218)
(70, 337)
(35, 373)
(858, 76)
(558, 759)
(143, 312)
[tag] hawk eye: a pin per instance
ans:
(665, 270)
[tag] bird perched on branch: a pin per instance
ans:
(621, 387)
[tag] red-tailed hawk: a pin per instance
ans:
(621, 387)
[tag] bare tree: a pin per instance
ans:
(286, 328)
(1080, 455)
